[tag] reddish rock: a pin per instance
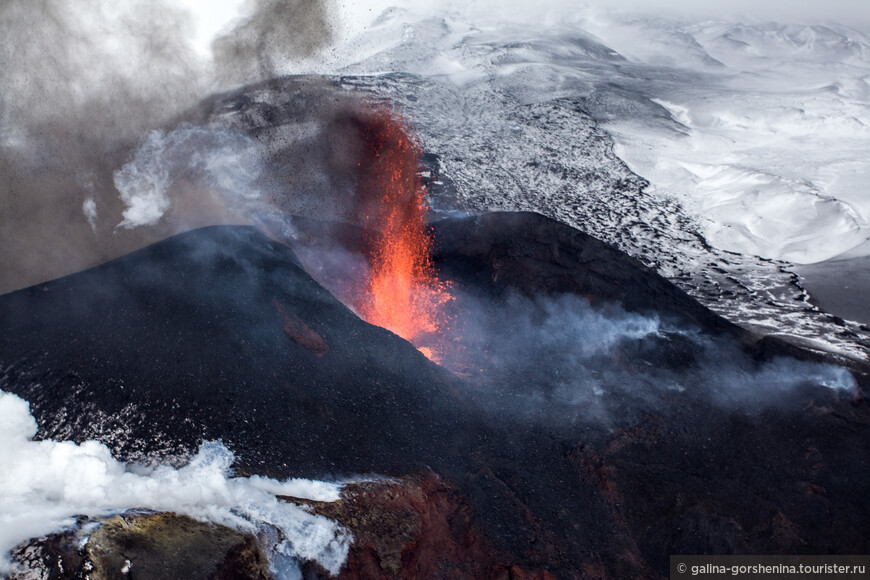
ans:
(519, 573)
(296, 329)
(415, 527)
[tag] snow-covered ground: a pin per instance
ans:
(771, 136)
(762, 129)
(754, 138)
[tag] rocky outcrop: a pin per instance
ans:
(142, 545)
(415, 527)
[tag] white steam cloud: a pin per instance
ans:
(44, 483)
(89, 208)
(224, 163)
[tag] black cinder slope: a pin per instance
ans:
(219, 333)
(537, 255)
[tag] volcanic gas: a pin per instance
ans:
(402, 292)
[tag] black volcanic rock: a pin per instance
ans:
(538, 255)
(221, 334)
(500, 252)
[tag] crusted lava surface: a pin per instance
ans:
(220, 333)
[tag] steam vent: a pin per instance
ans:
(400, 325)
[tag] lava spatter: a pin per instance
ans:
(403, 292)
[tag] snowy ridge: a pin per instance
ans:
(752, 142)
(494, 153)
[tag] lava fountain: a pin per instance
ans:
(402, 292)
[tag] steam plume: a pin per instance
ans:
(45, 483)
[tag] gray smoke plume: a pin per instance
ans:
(81, 82)
(561, 359)
(277, 33)
(83, 86)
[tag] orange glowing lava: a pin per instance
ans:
(403, 292)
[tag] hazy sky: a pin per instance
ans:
(849, 12)
(211, 17)
(214, 15)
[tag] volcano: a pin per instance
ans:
(221, 333)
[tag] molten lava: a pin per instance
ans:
(403, 294)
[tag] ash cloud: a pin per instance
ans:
(321, 144)
(275, 35)
(81, 82)
(84, 85)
